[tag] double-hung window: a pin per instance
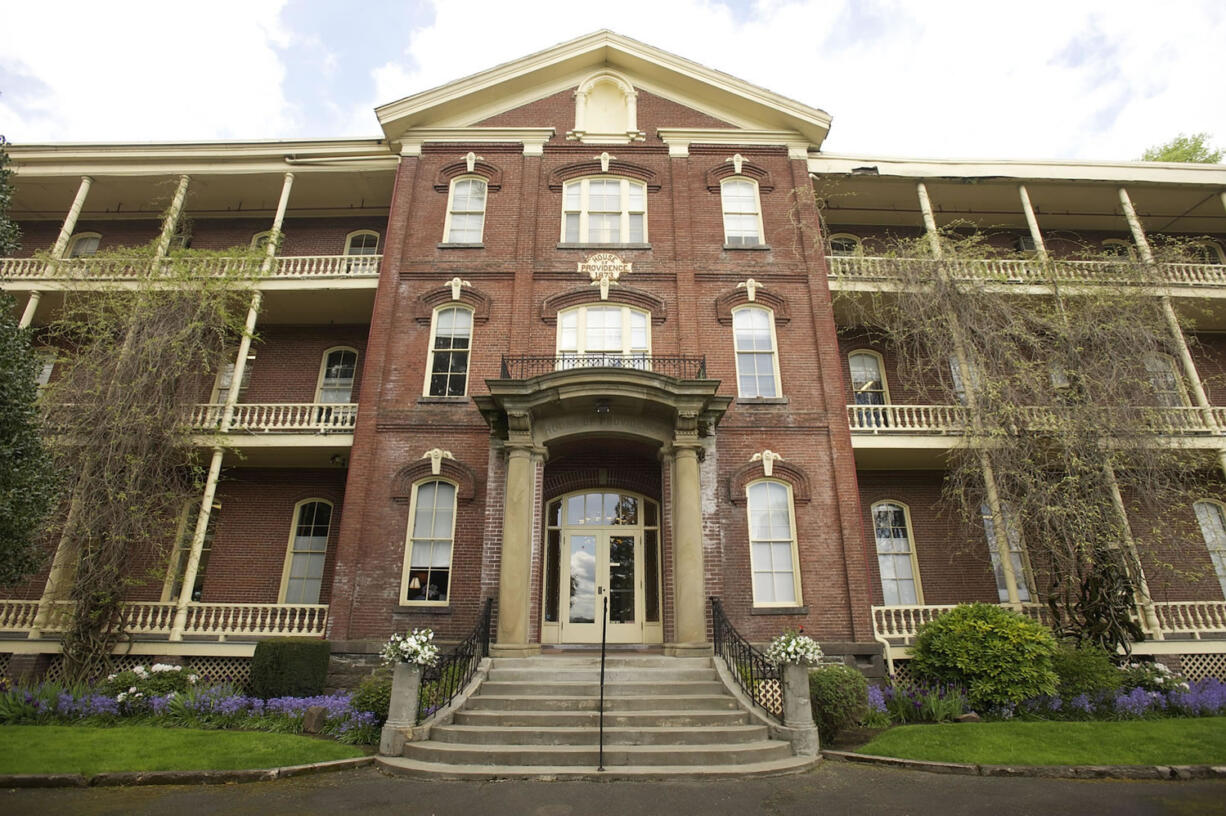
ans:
(465, 211)
(900, 584)
(772, 544)
(757, 367)
(610, 336)
(742, 213)
(604, 211)
(360, 246)
(1212, 518)
(1017, 555)
(308, 550)
(427, 558)
(182, 551)
(1164, 380)
(450, 344)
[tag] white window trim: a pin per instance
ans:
(859, 250)
(187, 521)
(1176, 374)
(627, 350)
(242, 386)
(1023, 580)
(796, 589)
(472, 330)
(451, 204)
(770, 313)
(757, 200)
(78, 238)
(583, 211)
(323, 370)
(1214, 248)
(408, 544)
(885, 383)
(289, 547)
(915, 570)
(1220, 574)
(358, 234)
(47, 358)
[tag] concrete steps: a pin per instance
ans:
(538, 717)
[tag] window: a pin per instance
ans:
(900, 584)
(742, 214)
(1164, 380)
(46, 364)
(1024, 243)
(427, 558)
(83, 245)
(260, 239)
(308, 549)
(757, 370)
(183, 549)
(221, 390)
(843, 245)
(604, 211)
(772, 544)
(1213, 527)
(450, 343)
(336, 376)
(1017, 555)
(868, 378)
(617, 336)
(1208, 252)
(955, 372)
(362, 242)
(1118, 248)
(465, 211)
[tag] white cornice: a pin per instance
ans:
(1117, 172)
(680, 139)
(533, 139)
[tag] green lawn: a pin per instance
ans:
(1139, 742)
(85, 750)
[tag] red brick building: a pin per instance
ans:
(566, 334)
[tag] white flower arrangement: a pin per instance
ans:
(793, 647)
(417, 648)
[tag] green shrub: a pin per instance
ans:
(840, 698)
(998, 656)
(1083, 668)
(374, 694)
(289, 667)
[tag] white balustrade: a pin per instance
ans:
(224, 620)
(108, 268)
(22, 268)
(279, 417)
(148, 618)
(327, 266)
(905, 419)
(17, 616)
(1195, 618)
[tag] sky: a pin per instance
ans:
(1046, 79)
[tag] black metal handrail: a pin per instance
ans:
(758, 677)
(681, 367)
(441, 682)
(604, 632)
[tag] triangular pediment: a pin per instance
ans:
(482, 97)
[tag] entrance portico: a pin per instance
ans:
(642, 409)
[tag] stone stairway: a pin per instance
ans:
(539, 717)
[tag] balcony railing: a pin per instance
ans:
(1023, 271)
(284, 267)
(213, 620)
(1192, 618)
(893, 419)
(683, 368)
(279, 417)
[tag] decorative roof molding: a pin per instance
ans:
(680, 139)
(427, 302)
(727, 169)
(598, 167)
(532, 139)
(781, 471)
(762, 296)
(586, 295)
(469, 166)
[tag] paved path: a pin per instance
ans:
(832, 788)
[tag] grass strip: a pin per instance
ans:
(85, 750)
(1134, 742)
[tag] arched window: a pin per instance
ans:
(450, 344)
(336, 374)
(225, 377)
(1208, 252)
(465, 211)
(83, 244)
(1165, 381)
(362, 243)
(742, 212)
(772, 544)
(605, 335)
(757, 368)
(844, 244)
(868, 384)
(1118, 248)
(900, 584)
(1017, 554)
(308, 550)
(427, 553)
(1212, 518)
(604, 211)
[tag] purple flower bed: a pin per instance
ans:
(1204, 698)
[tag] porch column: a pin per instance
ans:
(1032, 222)
(1132, 561)
(61, 244)
(689, 577)
(27, 314)
(171, 222)
(515, 569)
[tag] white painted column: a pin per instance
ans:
(171, 222)
(1132, 562)
(27, 314)
(60, 246)
(930, 222)
(1032, 222)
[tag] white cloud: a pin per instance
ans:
(142, 71)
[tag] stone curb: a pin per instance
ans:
(177, 777)
(1040, 771)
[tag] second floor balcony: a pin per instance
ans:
(283, 268)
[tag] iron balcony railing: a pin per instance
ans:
(758, 677)
(683, 368)
(441, 682)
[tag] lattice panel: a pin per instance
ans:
(769, 694)
(902, 672)
(4, 664)
(214, 670)
(55, 670)
(122, 663)
(1200, 666)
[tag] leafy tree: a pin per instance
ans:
(27, 479)
(1193, 148)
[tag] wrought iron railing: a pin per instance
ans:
(441, 682)
(758, 677)
(683, 368)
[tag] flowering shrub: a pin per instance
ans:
(417, 648)
(793, 647)
(1204, 698)
(1151, 676)
(136, 688)
(912, 703)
